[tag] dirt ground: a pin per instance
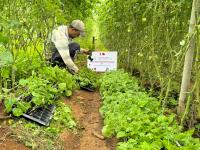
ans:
(85, 108)
(6, 142)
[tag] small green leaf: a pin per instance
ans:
(23, 82)
(37, 101)
(35, 94)
(5, 72)
(17, 112)
(62, 86)
(9, 104)
(6, 57)
(24, 106)
(3, 39)
(121, 134)
(72, 124)
(68, 93)
(106, 131)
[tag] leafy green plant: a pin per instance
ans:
(31, 92)
(62, 119)
(136, 119)
(40, 89)
(112, 82)
(87, 78)
(60, 78)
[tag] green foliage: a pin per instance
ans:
(39, 90)
(9, 104)
(149, 35)
(5, 58)
(135, 118)
(60, 78)
(3, 39)
(62, 119)
(87, 78)
(25, 65)
(25, 29)
(112, 82)
(78, 8)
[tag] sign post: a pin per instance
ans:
(102, 61)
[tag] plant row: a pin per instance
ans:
(136, 119)
(45, 85)
(150, 37)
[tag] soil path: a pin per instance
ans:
(85, 107)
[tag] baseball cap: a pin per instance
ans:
(79, 25)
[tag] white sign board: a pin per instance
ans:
(102, 61)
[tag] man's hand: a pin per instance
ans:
(72, 71)
(86, 51)
(89, 52)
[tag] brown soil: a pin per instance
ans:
(85, 108)
(6, 142)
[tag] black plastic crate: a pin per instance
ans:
(41, 115)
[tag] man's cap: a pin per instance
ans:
(79, 25)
